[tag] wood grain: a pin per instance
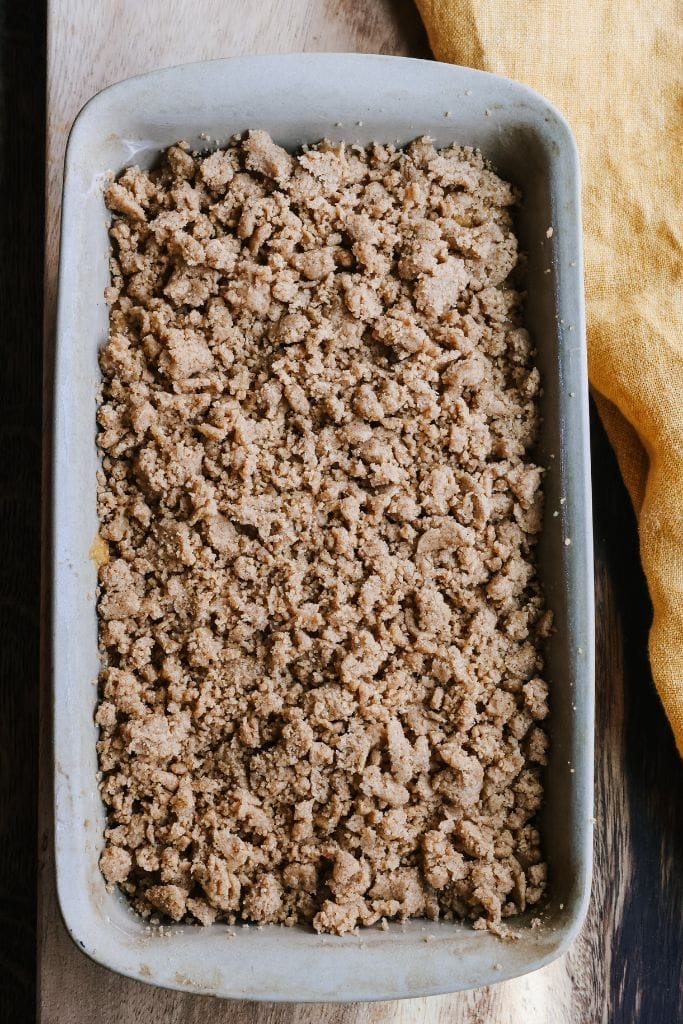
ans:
(625, 964)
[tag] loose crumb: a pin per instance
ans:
(321, 693)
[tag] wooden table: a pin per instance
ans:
(625, 964)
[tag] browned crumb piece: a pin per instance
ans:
(115, 864)
(170, 899)
(319, 614)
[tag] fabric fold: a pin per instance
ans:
(614, 71)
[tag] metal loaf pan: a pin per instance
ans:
(301, 98)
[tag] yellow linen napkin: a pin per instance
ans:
(614, 69)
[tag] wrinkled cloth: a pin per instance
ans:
(614, 70)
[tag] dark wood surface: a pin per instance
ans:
(626, 965)
(22, 128)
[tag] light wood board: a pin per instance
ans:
(92, 43)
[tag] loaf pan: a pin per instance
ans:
(300, 98)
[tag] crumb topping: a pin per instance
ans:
(319, 614)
